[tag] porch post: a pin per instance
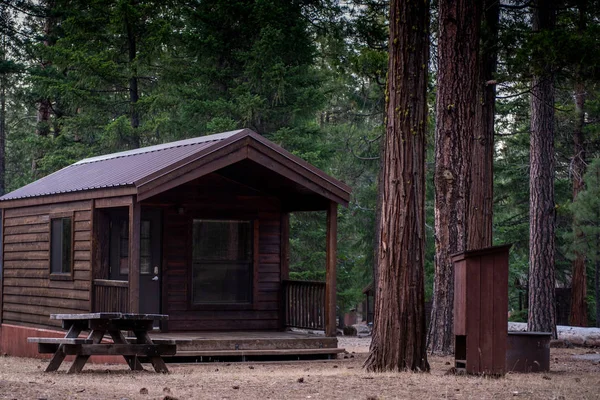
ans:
(285, 267)
(330, 274)
(134, 257)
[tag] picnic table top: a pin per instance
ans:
(110, 316)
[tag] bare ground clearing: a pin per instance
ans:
(570, 378)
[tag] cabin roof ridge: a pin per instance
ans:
(158, 147)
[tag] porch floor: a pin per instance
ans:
(251, 344)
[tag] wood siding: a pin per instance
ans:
(225, 199)
(29, 295)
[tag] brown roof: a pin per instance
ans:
(150, 168)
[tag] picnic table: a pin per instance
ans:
(113, 324)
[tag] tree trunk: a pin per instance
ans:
(399, 329)
(578, 314)
(133, 84)
(542, 212)
(377, 235)
(597, 263)
(482, 166)
(3, 123)
(456, 111)
(44, 106)
(597, 280)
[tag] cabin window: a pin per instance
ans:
(221, 262)
(124, 247)
(145, 244)
(61, 238)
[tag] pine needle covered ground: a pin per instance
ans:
(570, 378)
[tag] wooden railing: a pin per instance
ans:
(110, 295)
(304, 304)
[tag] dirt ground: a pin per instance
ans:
(575, 374)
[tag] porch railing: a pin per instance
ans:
(304, 304)
(110, 295)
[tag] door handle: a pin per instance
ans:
(155, 278)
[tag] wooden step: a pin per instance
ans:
(133, 340)
(257, 344)
(47, 340)
(266, 352)
(111, 349)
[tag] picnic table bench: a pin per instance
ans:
(112, 324)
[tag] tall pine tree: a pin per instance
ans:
(456, 111)
(399, 339)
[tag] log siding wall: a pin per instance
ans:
(29, 295)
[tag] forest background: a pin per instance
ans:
(80, 78)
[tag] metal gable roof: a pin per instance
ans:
(135, 167)
(117, 169)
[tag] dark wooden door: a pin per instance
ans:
(150, 261)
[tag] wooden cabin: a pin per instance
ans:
(197, 229)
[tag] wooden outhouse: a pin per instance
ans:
(197, 229)
(481, 310)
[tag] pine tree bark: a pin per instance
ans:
(399, 327)
(597, 279)
(578, 314)
(456, 112)
(542, 210)
(377, 235)
(133, 82)
(3, 84)
(481, 202)
(44, 105)
(597, 264)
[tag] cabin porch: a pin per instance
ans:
(211, 253)
(243, 345)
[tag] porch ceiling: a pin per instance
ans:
(293, 196)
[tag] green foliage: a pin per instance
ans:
(250, 64)
(309, 75)
(587, 210)
(518, 316)
(306, 73)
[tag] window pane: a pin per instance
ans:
(145, 251)
(145, 247)
(145, 229)
(222, 262)
(222, 240)
(60, 246)
(124, 247)
(145, 256)
(145, 265)
(221, 283)
(66, 245)
(56, 238)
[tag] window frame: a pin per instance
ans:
(62, 276)
(254, 263)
